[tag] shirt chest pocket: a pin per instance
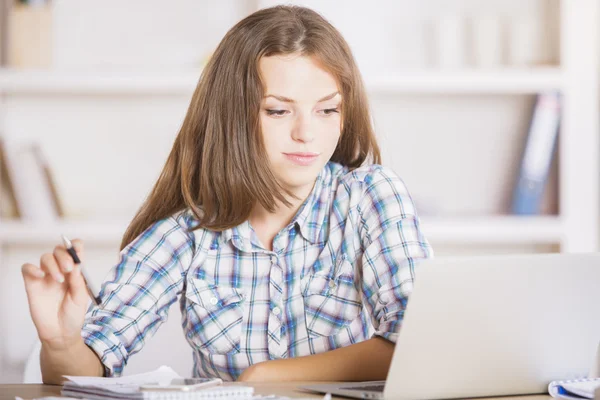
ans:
(214, 315)
(330, 303)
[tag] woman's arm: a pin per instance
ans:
(138, 292)
(78, 359)
(365, 361)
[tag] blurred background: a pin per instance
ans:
(487, 109)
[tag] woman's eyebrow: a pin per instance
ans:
(288, 100)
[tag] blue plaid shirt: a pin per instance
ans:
(339, 273)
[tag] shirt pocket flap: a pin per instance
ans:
(211, 296)
(322, 284)
(318, 284)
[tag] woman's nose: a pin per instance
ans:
(303, 131)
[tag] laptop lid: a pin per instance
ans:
(497, 325)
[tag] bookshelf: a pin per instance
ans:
(576, 228)
(490, 230)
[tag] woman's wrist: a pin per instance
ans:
(62, 344)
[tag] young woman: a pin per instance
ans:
(290, 249)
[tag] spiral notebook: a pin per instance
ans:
(574, 389)
(128, 388)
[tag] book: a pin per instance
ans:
(537, 155)
(29, 37)
(5, 6)
(9, 207)
(130, 388)
(575, 388)
(31, 181)
(43, 164)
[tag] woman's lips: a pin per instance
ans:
(301, 158)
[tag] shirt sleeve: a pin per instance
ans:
(137, 293)
(393, 244)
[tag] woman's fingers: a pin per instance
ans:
(64, 259)
(60, 266)
(78, 246)
(30, 270)
(49, 265)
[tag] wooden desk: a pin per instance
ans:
(31, 391)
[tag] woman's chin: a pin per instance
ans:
(298, 181)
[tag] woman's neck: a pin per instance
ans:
(282, 213)
(267, 224)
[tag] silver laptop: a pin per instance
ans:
(492, 326)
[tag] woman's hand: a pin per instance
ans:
(57, 297)
(364, 361)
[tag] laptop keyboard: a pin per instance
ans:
(371, 388)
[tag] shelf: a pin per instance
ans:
(494, 230)
(98, 83)
(484, 230)
(508, 80)
(28, 233)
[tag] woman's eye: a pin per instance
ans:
(329, 111)
(278, 113)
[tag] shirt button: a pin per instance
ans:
(276, 310)
(214, 301)
(331, 284)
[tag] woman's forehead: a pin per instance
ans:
(296, 77)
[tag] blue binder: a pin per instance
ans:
(537, 155)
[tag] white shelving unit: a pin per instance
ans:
(474, 230)
(478, 230)
(508, 80)
(496, 230)
(94, 232)
(97, 82)
(470, 81)
(576, 229)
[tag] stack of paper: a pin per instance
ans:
(129, 388)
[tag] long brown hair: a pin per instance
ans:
(218, 167)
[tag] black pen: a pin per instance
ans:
(94, 294)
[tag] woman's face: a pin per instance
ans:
(300, 119)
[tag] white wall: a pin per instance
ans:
(457, 154)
